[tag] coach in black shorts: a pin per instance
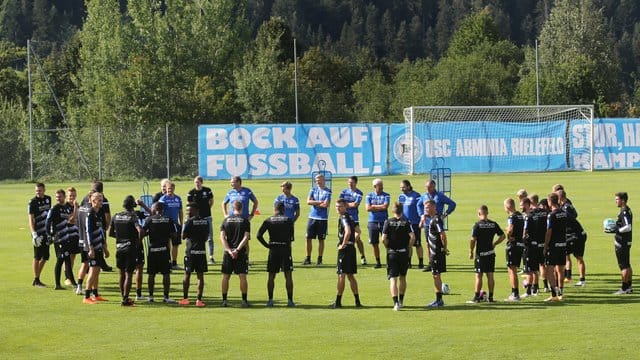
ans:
(280, 229)
(437, 240)
(234, 235)
(195, 232)
(127, 231)
(347, 266)
(398, 237)
(623, 237)
(482, 235)
(555, 247)
(160, 229)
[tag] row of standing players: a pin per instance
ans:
(411, 202)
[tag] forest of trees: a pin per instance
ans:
(139, 64)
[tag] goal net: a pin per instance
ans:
(497, 138)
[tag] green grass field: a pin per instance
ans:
(590, 323)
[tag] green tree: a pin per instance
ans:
(373, 97)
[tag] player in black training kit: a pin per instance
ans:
(515, 246)
(127, 231)
(437, 239)
(280, 229)
(623, 237)
(555, 247)
(160, 229)
(57, 225)
(576, 239)
(482, 235)
(347, 266)
(234, 235)
(38, 209)
(203, 196)
(530, 256)
(195, 232)
(96, 242)
(398, 237)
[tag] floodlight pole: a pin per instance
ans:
(30, 110)
(537, 78)
(295, 76)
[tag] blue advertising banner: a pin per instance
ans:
(284, 150)
(487, 146)
(616, 144)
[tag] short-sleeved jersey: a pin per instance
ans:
(516, 221)
(234, 227)
(201, 197)
(291, 205)
(557, 222)
(196, 232)
(280, 229)
(39, 208)
(624, 218)
(436, 227)
(398, 232)
(440, 199)
(352, 196)
(124, 227)
(484, 232)
(160, 230)
(410, 203)
(318, 194)
(374, 198)
(57, 222)
(345, 221)
(105, 205)
(172, 207)
(94, 228)
(73, 232)
(244, 195)
(539, 230)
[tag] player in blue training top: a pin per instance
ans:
(291, 203)
(173, 208)
(244, 195)
(440, 200)
(319, 199)
(409, 199)
(377, 204)
(353, 196)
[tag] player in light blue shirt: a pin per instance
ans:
(409, 199)
(173, 209)
(353, 196)
(377, 204)
(319, 199)
(242, 194)
(291, 203)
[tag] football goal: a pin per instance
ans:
(482, 139)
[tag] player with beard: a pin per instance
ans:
(38, 209)
(354, 197)
(58, 228)
(409, 199)
(203, 196)
(377, 204)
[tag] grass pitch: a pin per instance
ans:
(590, 323)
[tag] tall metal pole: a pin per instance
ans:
(99, 152)
(30, 110)
(537, 78)
(295, 76)
(166, 135)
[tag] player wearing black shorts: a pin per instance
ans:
(57, 227)
(398, 237)
(482, 235)
(127, 232)
(347, 266)
(410, 199)
(576, 239)
(623, 237)
(540, 217)
(195, 232)
(160, 230)
(437, 240)
(515, 246)
(280, 229)
(555, 247)
(73, 230)
(319, 199)
(203, 196)
(105, 212)
(38, 209)
(97, 245)
(234, 235)
(530, 260)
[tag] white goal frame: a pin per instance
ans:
(525, 114)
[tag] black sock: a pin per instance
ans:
(567, 273)
(224, 296)
(582, 279)
(420, 261)
(439, 296)
(338, 299)
(200, 297)
(476, 296)
(624, 286)
(357, 296)
(290, 296)
(94, 292)
(174, 263)
(546, 283)
(395, 299)
(378, 260)
(244, 296)
(401, 297)
(529, 289)
(319, 259)
(491, 295)
(87, 294)
(553, 292)
(139, 292)
(80, 282)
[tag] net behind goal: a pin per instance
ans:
(498, 138)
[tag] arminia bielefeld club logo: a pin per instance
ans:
(402, 149)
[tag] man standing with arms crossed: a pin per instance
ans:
(161, 230)
(38, 209)
(409, 199)
(515, 246)
(195, 232)
(319, 199)
(234, 235)
(440, 200)
(354, 196)
(398, 238)
(377, 204)
(203, 196)
(555, 247)
(280, 229)
(127, 231)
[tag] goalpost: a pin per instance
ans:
(498, 138)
